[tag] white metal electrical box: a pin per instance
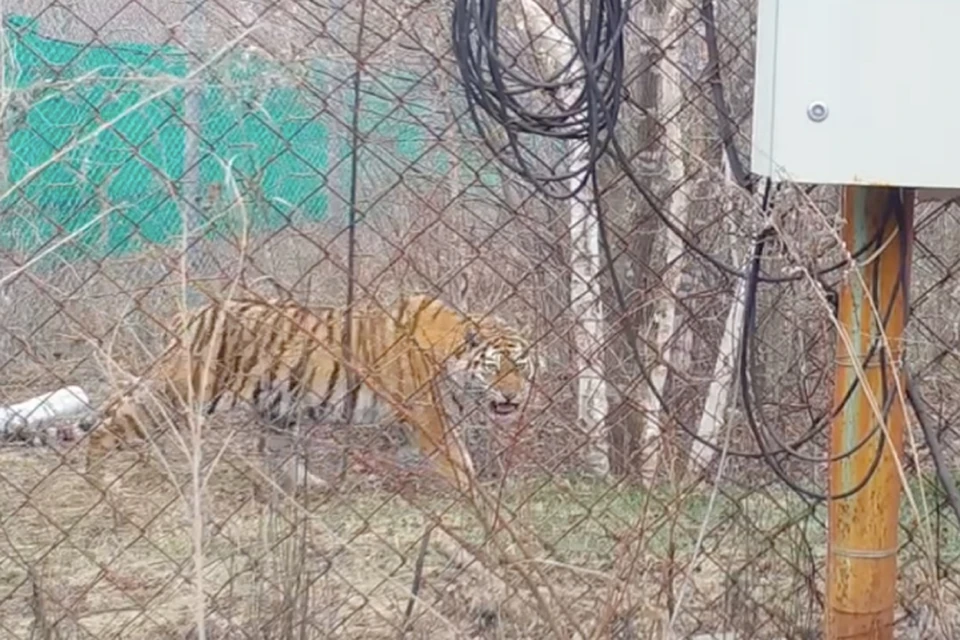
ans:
(858, 92)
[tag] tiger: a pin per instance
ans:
(287, 361)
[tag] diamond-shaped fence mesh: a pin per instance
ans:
(164, 157)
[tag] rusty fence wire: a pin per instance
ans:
(159, 155)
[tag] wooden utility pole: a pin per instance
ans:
(862, 548)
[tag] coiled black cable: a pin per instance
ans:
(584, 117)
(581, 101)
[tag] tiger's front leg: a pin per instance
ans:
(438, 441)
(441, 444)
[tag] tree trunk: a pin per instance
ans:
(716, 405)
(666, 320)
(554, 48)
(718, 394)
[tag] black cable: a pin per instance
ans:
(476, 45)
(757, 429)
(820, 423)
(624, 164)
(919, 410)
(581, 102)
(825, 419)
(522, 104)
(726, 124)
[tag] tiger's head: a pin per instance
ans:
(489, 363)
(495, 369)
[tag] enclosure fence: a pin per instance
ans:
(158, 157)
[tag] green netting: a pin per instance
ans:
(69, 90)
(285, 142)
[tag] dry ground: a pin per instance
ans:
(341, 565)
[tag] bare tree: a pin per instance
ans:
(719, 393)
(553, 48)
(717, 402)
(670, 26)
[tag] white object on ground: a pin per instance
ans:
(31, 414)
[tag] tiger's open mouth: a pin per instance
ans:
(503, 409)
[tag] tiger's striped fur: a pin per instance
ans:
(287, 361)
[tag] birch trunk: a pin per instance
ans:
(666, 320)
(716, 405)
(725, 367)
(718, 394)
(553, 48)
(585, 301)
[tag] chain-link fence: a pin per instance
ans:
(161, 156)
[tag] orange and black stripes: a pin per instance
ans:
(287, 362)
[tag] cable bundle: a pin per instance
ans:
(579, 101)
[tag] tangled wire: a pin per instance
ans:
(580, 101)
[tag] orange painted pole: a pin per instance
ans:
(862, 529)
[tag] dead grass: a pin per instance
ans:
(342, 567)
